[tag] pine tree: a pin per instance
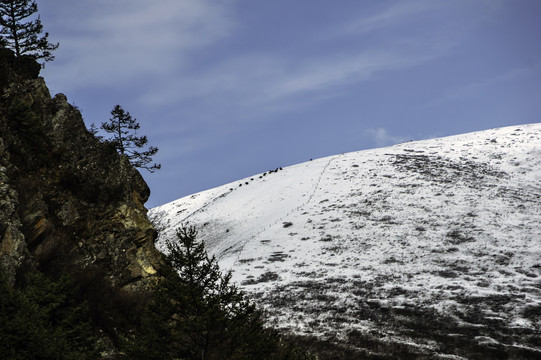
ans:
(94, 131)
(44, 319)
(23, 37)
(124, 137)
(196, 312)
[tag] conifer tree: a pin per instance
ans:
(23, 37)
(197, 313)
(44, 319)
(124, 137)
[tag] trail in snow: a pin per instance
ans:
(288, 213)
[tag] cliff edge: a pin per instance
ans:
(67, 200)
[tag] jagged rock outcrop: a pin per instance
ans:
(67, 200)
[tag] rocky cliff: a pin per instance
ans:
(67, 200)
(80, 277)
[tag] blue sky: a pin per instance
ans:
(227, 89)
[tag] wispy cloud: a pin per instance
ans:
(115, 44)
(123, 40)
(382, 137)
(324, 73)
(397, 14)
(402, 13)
(270, 83)
(150, 49)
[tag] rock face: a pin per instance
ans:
(66, 199)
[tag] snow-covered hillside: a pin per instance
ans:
(430, 247)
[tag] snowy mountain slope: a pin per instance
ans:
(428, 247)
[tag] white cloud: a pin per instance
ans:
(114, 44)
(270, 83)
(149, 49)
(399, 13)
(407, 12)
(332, 72)
(123, 40)
(382, 137)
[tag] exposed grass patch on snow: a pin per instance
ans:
(426, 249)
